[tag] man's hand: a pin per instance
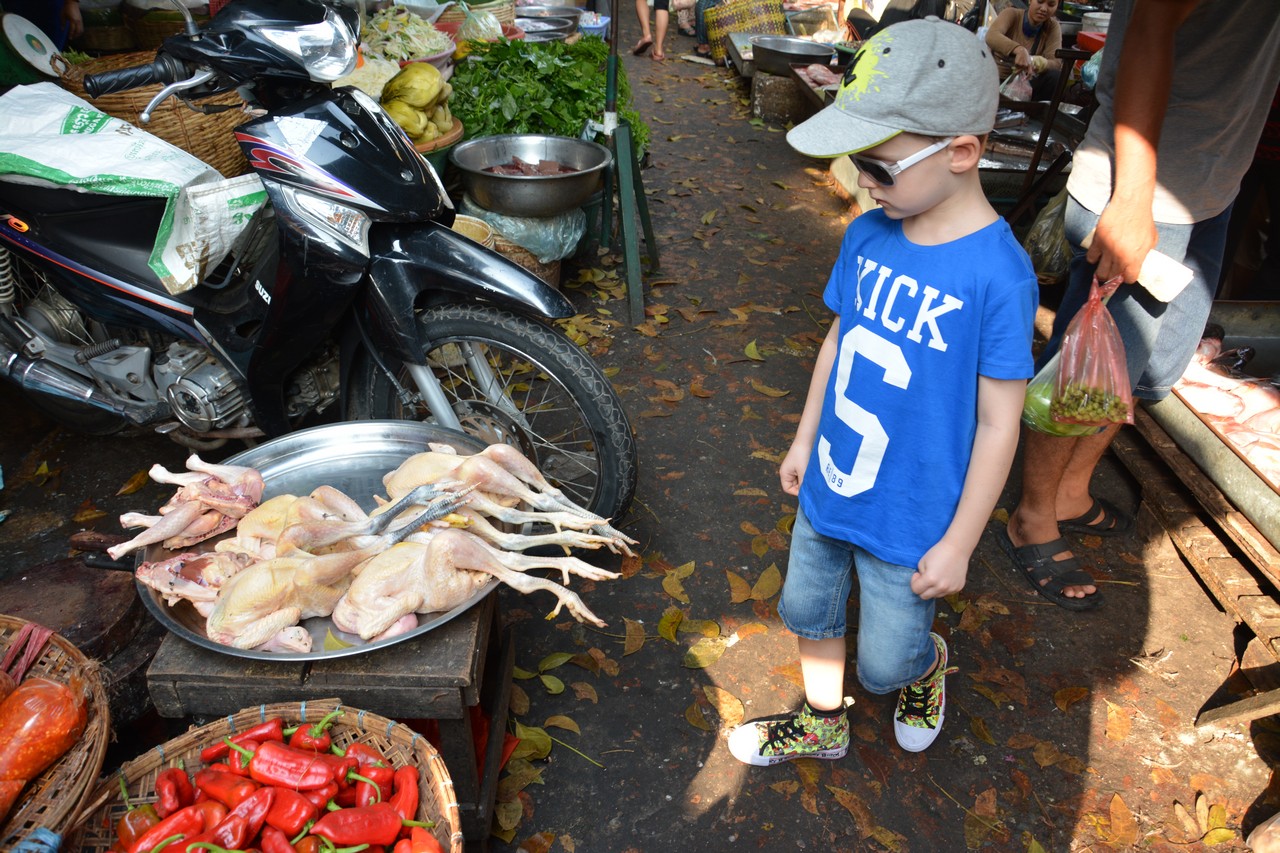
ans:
(942, 571)
(1125, 235)
(71, 14)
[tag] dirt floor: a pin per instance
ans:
(1064, 731)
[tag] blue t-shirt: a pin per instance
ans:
(918, 324)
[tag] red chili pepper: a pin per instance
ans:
(275, 841)
(135, 821)
(404, 798)
(241, 755)
(272, 729)
(376, 824)
(227, 833)
(174, 790)
(423, 841)
(378, 787)
(315, 737)
(291, 811)
(320, 797)
(365, 755)
(225, 787)
(346, 797)
(283, 766)
(310, 844)
(188, 821)
(254, 811)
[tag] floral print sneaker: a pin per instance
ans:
(804, 734)
(921, 705)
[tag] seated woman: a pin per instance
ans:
(1026, 40)
(700, 8)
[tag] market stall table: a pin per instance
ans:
(440, 675)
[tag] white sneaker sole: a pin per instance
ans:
(744, 744)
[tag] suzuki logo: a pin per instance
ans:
(262, 291)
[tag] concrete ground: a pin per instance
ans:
(1064, 731)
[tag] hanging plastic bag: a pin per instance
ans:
(1046, 242)
(1089, 71)
(479, 26)
(1035, 406)
(1016, 87)
(1092, 387)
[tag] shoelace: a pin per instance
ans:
(782, 732)
(915, 701)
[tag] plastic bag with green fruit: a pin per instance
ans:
(1092, 386)
(479, 26)
(1039, 399)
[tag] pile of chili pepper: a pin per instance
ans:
(272, 789)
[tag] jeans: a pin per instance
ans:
(700, 22)
(1159, 338)
(893, 645)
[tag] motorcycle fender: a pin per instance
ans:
(413, 258)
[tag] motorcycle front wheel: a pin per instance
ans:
(513, 380)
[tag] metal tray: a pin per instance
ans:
(352, 457)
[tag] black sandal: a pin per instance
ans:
(1110, 521)
(703, 50)
(688, 33)
(1048, 576)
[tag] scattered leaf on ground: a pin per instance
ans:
(768, 584)
(786, 787)
(670, 623)
(978, 726)
(519, 701)
(705, 627)
(1118, 722)
(136, 482)
(1124, 826)
(753, 352)
(560, 721)
(508, 815)
(583, 690)
(739, 589)
(705, 652)
(728, 706)
(672, 586)
(540, 843)
(554, 660)
(751, 629)
(534, 742)
(553, 684)
(635, 635)
(87, 512)
(1068, 696)
(693, 714)
(517, 672)
(862, 817)
(768, 390)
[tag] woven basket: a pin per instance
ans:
(399, 744)
(151, 27)
(106, 37)
(205, 137)
(56, 798)
(550, 273)
(503, 10)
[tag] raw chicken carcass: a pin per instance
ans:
(192, 577)
(439, 570)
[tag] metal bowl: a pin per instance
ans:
(776, 54)
(573, 13)
(534, 195)
(544, 29)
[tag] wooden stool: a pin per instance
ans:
(439, 676)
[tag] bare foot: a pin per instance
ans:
(658, 57)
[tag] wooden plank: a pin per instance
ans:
(1253, 708)
(1232, 522)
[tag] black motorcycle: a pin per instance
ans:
(348, 289)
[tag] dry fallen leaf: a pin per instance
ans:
(786, 787)
(768, 390)
(634, 637)
(753, 352)
(1124, 826)
(862, 817)
(739, 589)
(672, 586)
(705, 627)
(978, 726)
(693, 714)
(136, 482)
(540, 843)
(87, 512)
(552, 684)
(728, 706)
(670, 623)
(583, 690)
(751, 493)
(705, 652)
(560, 721)
(519, 701)
(553, 660)
(1068, 696)
(768, 584)
(1118, 722)
(534, 742)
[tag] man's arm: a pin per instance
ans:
(1126, 231)
(791, 472)
(944, 567)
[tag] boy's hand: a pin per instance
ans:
(941, 572)
(791, 472)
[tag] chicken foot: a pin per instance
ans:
(312, 536)
(480, 526)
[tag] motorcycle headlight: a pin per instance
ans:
(346, 224)
(327, 49)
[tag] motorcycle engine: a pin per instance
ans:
(201, 392)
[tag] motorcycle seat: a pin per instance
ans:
(113, 234)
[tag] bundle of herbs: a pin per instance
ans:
(547, 87)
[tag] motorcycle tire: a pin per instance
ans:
(568, 420)
(77, 417)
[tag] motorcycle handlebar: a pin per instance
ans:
(164, 70)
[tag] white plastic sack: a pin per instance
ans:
(50, 137)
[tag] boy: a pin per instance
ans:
(911, 419)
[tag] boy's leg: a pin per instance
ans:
(815, 596)
(898, 651)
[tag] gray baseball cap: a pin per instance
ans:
(925, 76)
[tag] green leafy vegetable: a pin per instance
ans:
(545, 87)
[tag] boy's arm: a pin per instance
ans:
(943, 568)
(791, 472)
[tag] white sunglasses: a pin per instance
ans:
(884, 173)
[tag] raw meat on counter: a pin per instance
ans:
(1243, 409)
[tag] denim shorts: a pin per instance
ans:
(1159, 338)
(893, 644)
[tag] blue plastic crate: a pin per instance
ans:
(601, 29)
